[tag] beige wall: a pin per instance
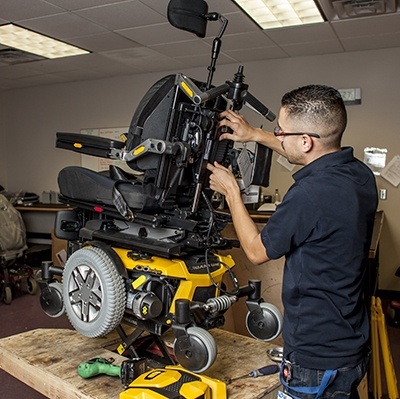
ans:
(32, 116)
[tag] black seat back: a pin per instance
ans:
(167, 113)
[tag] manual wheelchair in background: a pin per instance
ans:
(144, 246)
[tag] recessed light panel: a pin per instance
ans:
(31, 42)
(278, 13)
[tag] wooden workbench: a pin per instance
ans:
(47, 360)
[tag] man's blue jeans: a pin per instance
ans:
(344, 385)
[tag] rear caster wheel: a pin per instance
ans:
(195, 351)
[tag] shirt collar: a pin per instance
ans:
(328, 160)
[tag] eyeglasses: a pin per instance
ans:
(278, 132)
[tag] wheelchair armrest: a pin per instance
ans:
(90, 145)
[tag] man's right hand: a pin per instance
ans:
(242, 131)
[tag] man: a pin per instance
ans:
(323, 227)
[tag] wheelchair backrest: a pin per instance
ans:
(166, 113)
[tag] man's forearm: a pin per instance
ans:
(269, 140)
(247, 231)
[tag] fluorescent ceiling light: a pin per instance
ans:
(31, 42)
(278, 13)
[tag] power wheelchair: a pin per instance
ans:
(144, 246)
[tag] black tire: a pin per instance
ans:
(93, 292)
(32, 285)
(51, 299)
(201, 353)
(264, 324)
(7, 295)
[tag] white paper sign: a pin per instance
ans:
(375, 158)
(391, 172)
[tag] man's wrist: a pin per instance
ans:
(259, 135)
(233, 196)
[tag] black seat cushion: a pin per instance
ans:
(86, 185)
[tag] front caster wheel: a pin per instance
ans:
(195, 351)
(93, 292)
(51, 300)
(264, 322)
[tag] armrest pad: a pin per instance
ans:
(87, 144)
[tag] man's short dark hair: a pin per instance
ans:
(318, 105)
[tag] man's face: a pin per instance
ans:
(290, 144)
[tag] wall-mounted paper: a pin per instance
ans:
(391, 172)
(375, 158)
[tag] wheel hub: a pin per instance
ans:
(85, 293)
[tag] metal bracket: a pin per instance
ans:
(151, 146)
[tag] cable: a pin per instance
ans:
(231, 275)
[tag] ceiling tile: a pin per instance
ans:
(222, 6)
(166, 64)
(203, 60)
(301, 34)
(315, 48)
(18, 71)
(371, 42)
(104, 63)
(40, 80)
(52, 66)
(8, 84)
(238, 22)
(80, 4)
(80, 74)
(157, 5)
(139, 58)
(189, 47)
(15, 10)
(155, 34)
(245, 40)
(256, 54)
(103, 42)
(62, 26)
(376, 25)
(122, 15)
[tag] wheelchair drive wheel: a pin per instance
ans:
(93, 292)
(195, 351)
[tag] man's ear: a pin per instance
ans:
(306, 143)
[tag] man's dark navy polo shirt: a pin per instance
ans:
(324, 227)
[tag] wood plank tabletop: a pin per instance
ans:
(47, 360)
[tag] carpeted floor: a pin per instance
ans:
(25, 314)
